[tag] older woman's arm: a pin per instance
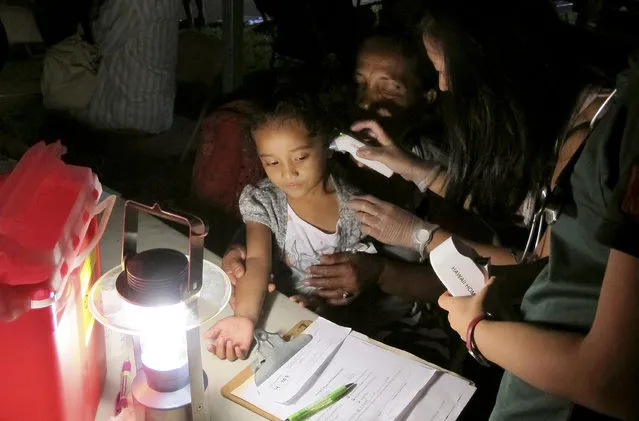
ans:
(410, 281)
(355, 272)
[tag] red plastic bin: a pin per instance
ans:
(52, 357)
(45, 209)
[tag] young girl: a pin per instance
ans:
(296, 215)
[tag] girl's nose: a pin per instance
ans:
(289, 171)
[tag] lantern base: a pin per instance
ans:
(142, 413)
(151, 405)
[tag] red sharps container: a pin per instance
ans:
(52, 353)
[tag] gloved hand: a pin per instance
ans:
(389, 154)
(386, 222)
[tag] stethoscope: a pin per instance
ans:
(549, 207)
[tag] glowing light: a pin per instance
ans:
(163, 351)
(162, 334)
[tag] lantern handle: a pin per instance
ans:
(197, 231)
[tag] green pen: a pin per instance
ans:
(313, 409)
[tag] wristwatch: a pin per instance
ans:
(423, 237)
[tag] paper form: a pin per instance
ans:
(444, 399)
(387, 383)
(287, 382)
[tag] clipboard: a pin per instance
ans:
(247, 373)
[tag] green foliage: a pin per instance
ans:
(257, 49)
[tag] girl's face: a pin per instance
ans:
(293, 161)
(436, 56)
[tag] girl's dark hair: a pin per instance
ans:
(303, 109)
(514, 75)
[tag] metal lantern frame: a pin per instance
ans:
(197, 232)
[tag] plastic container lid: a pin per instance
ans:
(113, 311)
(45, 210)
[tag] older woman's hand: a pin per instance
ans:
(340, 277)
(389, 154)
(386, 222)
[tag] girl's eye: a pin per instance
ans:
(301, 157)
(270, 164)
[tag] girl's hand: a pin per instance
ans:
(232, 338)
(386, 222)
(462, 310)
(389, 154)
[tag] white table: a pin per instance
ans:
(282, 315)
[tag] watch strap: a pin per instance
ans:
(422, 246)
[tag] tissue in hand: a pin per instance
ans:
(348, 144)
(458, 266)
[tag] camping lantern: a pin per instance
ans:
(160, 297)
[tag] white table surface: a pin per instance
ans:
(281, 315)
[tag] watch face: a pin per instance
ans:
(423, 235)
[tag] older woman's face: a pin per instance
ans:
(436, 56)
(382, 82)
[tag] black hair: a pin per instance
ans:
(514, 73)
(303, 109)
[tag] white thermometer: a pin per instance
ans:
(348, 144)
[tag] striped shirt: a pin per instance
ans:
(136, 78)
